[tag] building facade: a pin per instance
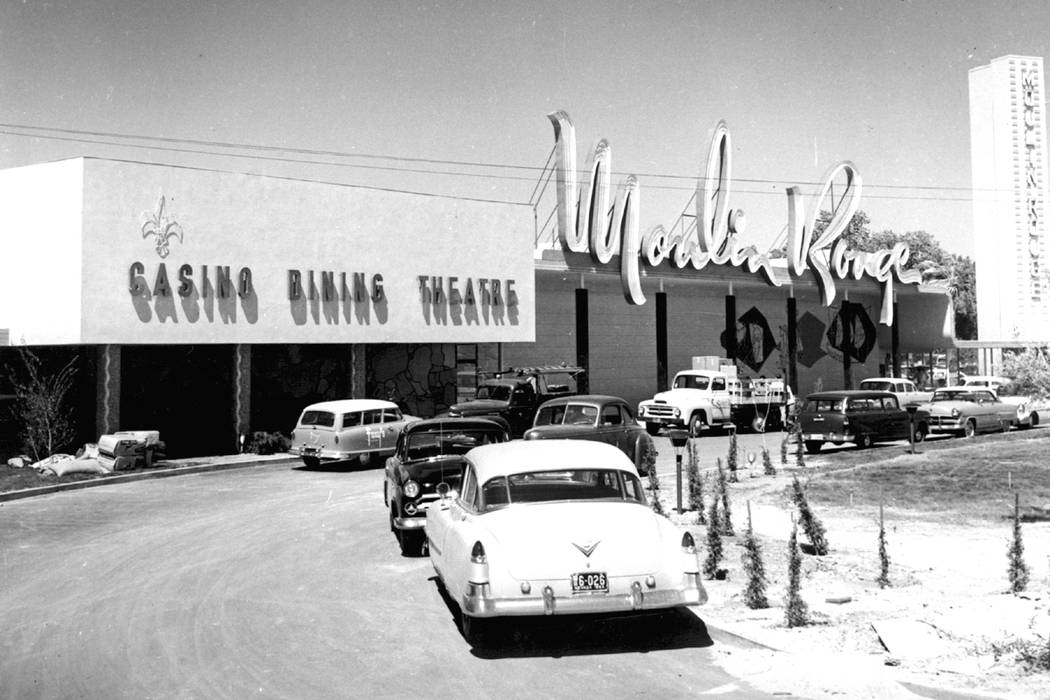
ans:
(1008, 158)
(209, 305)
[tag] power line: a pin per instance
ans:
(5, 129)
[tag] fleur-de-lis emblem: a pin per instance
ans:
(163, 228)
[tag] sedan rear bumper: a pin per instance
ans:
(479, 602)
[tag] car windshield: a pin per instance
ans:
(497, 392)
(455, 442)
(562, 485)
(874, 385)
(690, 381)
(325, 418)
(953, 395)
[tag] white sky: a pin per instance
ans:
(802, 85)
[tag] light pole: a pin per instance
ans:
(679, 438)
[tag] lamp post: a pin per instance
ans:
(679, 438)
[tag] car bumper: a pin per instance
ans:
(830, 437)
(941, 424)
(663, 420)
(327, 455)
(479, 601)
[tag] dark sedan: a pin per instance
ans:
(592, 417)
(430, 452)
(860, 417)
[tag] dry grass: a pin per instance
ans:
(950, 480)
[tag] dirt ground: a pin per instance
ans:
(946, 619)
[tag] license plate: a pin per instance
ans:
(311, 450)
(590, 582)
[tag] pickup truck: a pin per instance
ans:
(701, 399)
(904, 389)
(516, 394)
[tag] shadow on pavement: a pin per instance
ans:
(581, 635)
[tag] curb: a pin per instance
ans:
(158, 473)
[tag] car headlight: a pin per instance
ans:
(677, 413)
(955, 413)
(411, 489)
(641, 410)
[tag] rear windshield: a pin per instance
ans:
(562, 485)
(424, 445)
(497, 392)
(876, 385)
(325, 418)
(571, 414)
(824, 405)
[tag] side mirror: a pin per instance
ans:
(445, 492)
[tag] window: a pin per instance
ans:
(718, 384)
(322, 418)
(494, 494)
(577, 414)
(611, 415)
(351, 419)
(470, 488)
(372, 417)
(689, 381)
(890, 403)
(574, 485)
(550, 415)
(391, 415)
(859, 405)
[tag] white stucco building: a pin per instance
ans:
(1008, 157)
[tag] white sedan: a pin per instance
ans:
(556, 527)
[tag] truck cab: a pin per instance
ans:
(697, 399)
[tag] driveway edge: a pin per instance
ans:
(157, 473)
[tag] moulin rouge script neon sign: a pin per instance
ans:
(587, 225)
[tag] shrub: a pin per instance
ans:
(1018, 571)
(755, 570)
(767, 463)
(723, 493)
(784, 450)
(263, 443)
(800, 448)
(732, 458)
(714, 540)
(796, 614)
(884, 558)
(42, 402)
(810, 523)
(696, 484)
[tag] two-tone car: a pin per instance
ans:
(858, 416)
(592, 417)
(430, 453)
(365, 429)
(556, 527)
(968, 410)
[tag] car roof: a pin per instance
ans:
(987, 378)
(436, 425)
(519, 456)
(885, 379)
(848, 394)
(964, 388)
(584, 398)
(344, 405)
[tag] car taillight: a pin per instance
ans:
(478, 571)
(688, 543)
(477, 554)
(293, 436)
(336, 439)
(845, 422)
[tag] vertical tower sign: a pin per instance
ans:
(1008, 158)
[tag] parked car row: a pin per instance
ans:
(557, 523)
(864, 417)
